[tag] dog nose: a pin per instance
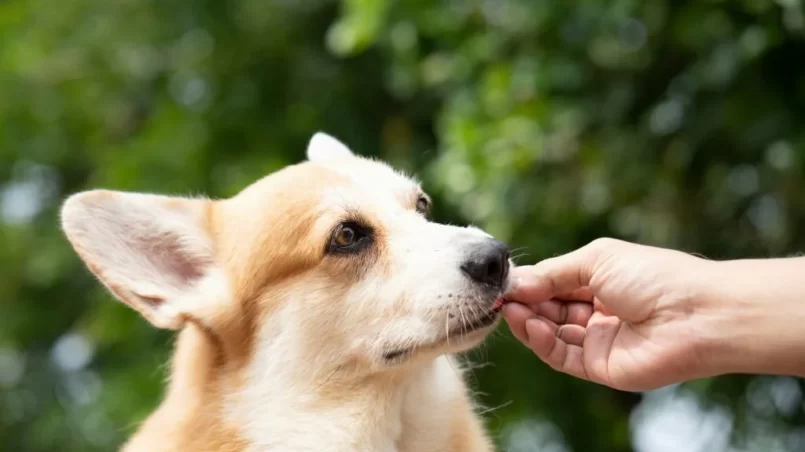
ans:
(488, 263)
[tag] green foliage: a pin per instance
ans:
(675, 123)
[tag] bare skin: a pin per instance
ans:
(637, 318)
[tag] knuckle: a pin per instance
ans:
(560, 331)
(563, 314)
(604, 243)
(602, 249)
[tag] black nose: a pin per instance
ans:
(488, 263)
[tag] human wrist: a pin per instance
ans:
(751, 312)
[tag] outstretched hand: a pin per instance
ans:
(615, 313)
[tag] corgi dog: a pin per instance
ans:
(319, 309)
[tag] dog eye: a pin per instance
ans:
(423, 205)
(345, 236)
(348, 237)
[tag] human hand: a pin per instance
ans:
(627, 316)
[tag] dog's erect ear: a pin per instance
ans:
(323, 147)
(152, 252)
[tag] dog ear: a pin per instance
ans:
(323, 147)
(152, 252)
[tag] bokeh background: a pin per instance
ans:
(550, 123)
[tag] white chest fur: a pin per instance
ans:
(415, 413)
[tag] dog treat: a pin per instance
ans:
(498, 304)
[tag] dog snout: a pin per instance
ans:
(488, 263)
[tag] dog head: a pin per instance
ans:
(333, 260)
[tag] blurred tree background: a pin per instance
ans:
(668, 122)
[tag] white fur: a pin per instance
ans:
(284, 413)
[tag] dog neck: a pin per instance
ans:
(279, 403)
(297, 397)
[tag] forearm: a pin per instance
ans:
(756, 310)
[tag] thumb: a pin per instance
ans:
(556, 276)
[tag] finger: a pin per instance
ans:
(571, 334)
(529, 286)
(599, 307)
(600, 335)
(555, 276)
(554, 351)
(582, 294)
(561, 312)
(516, 315)
(540, 336)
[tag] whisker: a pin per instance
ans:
(492, 409)
(447, 326)
(330, 376)
(485, 345)
(474, 312)
(515, 258)
(447, 336)
(472, 307)
(463, 320)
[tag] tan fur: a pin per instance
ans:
(242, 266)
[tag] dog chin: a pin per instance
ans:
(465, 337)
(456, 339)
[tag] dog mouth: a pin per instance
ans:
(484, 320)
(497, 306)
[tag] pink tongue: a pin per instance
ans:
(498, 303)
